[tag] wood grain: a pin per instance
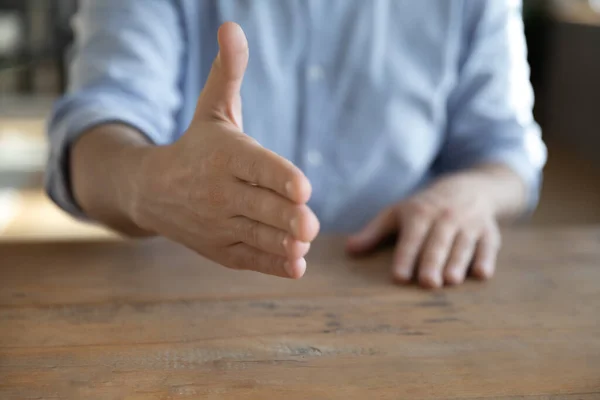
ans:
(151, 320)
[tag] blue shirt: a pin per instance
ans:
(371, 99)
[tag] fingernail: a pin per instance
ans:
(307, 244)
(484, 271)
(431, 280)
(301, 267)
(296, 268)
(285, 242)
(488, 268)
(455, 276)
(436, 280)
(289, 188)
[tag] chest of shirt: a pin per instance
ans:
(339, 66)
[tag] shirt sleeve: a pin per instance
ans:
(490, 117)
(125, 68)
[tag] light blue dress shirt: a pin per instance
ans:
(371, 99)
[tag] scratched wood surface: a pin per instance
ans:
(153, 321)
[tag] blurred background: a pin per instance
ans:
(564, 54)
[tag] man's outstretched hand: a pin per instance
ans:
(219, 192)
(449, 229)
(215, 190)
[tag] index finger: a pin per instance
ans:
(255, 164)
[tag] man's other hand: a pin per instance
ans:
(448, 230)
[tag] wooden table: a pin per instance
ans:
(153, 321)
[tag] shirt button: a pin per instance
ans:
(314, 158)
(315, 72)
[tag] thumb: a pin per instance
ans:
(370, 236)
(220, 97)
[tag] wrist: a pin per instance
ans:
(107, 175)
(133, 182)
(496, 187)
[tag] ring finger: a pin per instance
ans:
(267, 238)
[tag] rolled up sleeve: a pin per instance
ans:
(125, 68)
(490, 116)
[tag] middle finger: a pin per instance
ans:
(269, 208)
(434, 254)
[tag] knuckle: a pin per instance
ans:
(417, 209)
(288, 212)
(239, 230)
(463, 257)
(417, 231)
(247, 231)
(297, 250)
(466, 244)
(253, 232)
(446, 232)
(449, 215)
(466, 238)
(410, 243)
(285, 215)
(250, 203)
(249, 167)
(253, 169)
(405, 257)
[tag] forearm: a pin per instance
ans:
(105, 170)
(495, 184)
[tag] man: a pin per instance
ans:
(415, 115)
